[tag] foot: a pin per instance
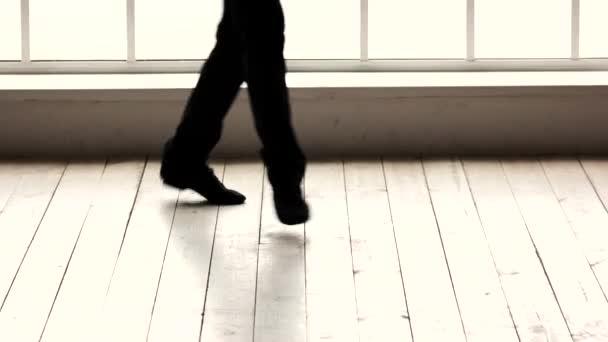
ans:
(200, 179)
(285, 178)
(290, 206)
(205, 184)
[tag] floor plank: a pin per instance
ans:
(280, 313)
(597, 171)
(230, 304)
(34, 290)
(330, 291)
(86, 281)
(182, 290)
(381, 303)
(428, 287)
(21, 217)
(10, 175)
(397, 250)
(128, 307)
(535, 310)
(481, 300)
(584, 211)
(573, 282)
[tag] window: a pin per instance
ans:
(322, 29)
(10, 30)
(175, 29)
(343, 34)
(523, 28)
(594, 28)
(417, 29)
(78, 29)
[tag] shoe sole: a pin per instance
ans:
(185, 187)
(293, 220)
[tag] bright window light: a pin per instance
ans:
(417, 29)
(73, 30)
(78, 29)
(185, 29)
(322, 29)
(523, 28)
(176, 29)
(10, 30)
(594, 28)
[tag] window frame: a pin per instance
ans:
(363, 64)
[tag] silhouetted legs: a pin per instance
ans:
(218, 85)
(250, 42)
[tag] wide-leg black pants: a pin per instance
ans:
(249, 48)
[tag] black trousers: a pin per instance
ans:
(249, 48)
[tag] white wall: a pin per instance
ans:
(331, 122)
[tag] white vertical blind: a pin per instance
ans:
(576, 29)
(523, 28)
(131, 30)
(78, 29)
(364, 56)
(25, 32)
(470, 30)
(417, 29)
(10, 30)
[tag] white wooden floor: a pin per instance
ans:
(424, 251)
